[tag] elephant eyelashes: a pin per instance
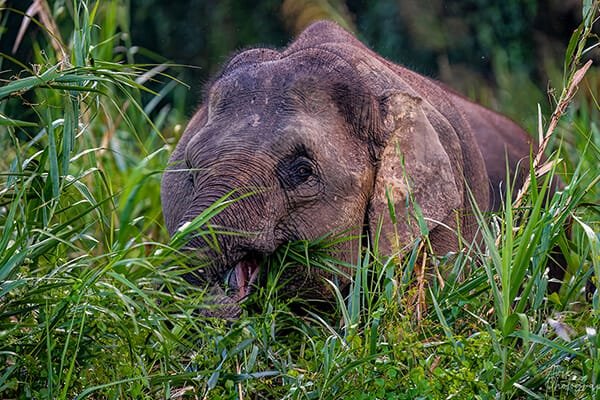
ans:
(302, 170)
(296, 171)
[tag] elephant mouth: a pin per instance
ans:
(241, 278)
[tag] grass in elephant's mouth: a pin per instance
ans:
(295, 262)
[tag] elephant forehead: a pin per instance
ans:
(263, 80)
(325, 132)
(267, 118)
(279, 79)
(274, 105)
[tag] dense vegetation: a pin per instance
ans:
(92, 303)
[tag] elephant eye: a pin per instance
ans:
(302, 170)
(297, 171)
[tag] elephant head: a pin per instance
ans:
(321, 138)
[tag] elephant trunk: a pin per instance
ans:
(236, 239)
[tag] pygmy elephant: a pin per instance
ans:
(320, 136)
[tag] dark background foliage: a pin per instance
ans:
(468, 44)
(462, 42)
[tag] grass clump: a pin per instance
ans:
(92, 303)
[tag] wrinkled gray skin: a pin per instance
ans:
(317, 133)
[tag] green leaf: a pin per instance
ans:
(54, 179)
(27, 83)
(586, 10)
(5, 121)
(511, 323)
(550, 343)
(571, 48)
(390, 201)
(420, 219)
(8, 264)
(593, 238)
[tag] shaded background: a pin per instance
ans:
(498, 52)
(487, 49)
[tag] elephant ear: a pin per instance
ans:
(415, 173)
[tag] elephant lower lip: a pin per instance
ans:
(246, 273)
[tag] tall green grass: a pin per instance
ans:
(92, 303)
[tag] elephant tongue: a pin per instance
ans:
(246, 272)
